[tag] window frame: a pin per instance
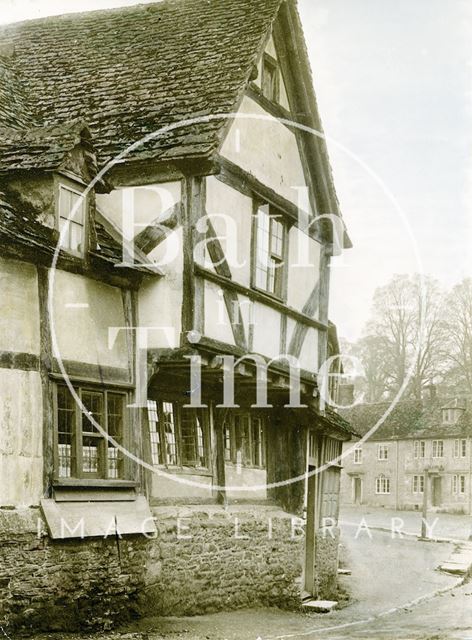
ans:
(436, 447)
(382, 485)
(460, 448)
(419, 449)
(158, 437)
(248, 458)
(459, 484)
(382, 448)
(270, 65)
(76, 187)
(77, 473)
(450, 416)
(358, 454)
(281, 271)
(418, 484)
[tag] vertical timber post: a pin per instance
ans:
(45, 367)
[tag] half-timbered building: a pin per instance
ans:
(168, 217)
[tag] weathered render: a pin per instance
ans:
(150, 161)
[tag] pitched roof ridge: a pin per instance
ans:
(130, 71)
(129, 8)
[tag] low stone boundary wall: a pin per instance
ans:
(202, 559)
(65, 585)
(210, 559)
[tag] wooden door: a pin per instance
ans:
(436, 498)
(357, 490)
(311, 509)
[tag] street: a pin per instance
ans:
(395, 592)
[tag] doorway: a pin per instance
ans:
(357, 490)
(311, 517)
(436, 497)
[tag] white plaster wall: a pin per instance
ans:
(246, 477)
(223, 199)
(266, 148)
(309, 353)
(83, 333)
(160, 298)
(266, 331)
(195, 486)
(303, 268)
(19, 307)
(270, 47)
(160, 306)
(21, 462)
(149, 202)
(217, 322)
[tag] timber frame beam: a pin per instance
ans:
(259, 296)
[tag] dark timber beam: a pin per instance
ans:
(260, 296)
(45, 366)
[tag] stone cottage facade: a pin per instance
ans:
(165, 281)
(420, 446)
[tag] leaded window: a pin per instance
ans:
(269, 267)
(244, 436)
(82, 449)
(178, 434)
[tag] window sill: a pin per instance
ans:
(187, 471)
(249, 467)
(94, 482)
(271, 296)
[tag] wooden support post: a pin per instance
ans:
(45, 365)
(218, 452)
(310, 533)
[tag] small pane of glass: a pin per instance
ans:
(66, 430)
(169, 422)
(71, 219)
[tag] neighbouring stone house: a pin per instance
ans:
(150, 284)
(419, 445)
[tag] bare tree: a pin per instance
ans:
(373, 352)
(409, 330)
(459, 328)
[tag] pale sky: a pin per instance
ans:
(393, 80)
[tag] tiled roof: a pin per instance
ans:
(129, 72)
(336, 421)
(14, 109)
(408, 419)
(20, 228)
(43, 148)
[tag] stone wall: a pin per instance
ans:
(70, 585)
(207, 559)
(203, 559)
